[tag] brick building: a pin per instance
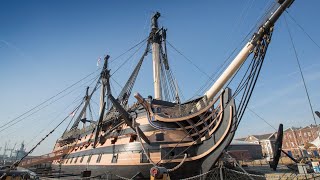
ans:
(297, 141)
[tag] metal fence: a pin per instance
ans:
(222, 173)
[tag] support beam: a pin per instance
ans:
(99, 125)
(127, 118)
(293, 159)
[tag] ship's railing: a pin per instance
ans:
(187, 109)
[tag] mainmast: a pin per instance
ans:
(156, 57)
(248, 48)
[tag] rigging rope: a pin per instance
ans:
(142, 41)
(259, 117)
(213, 77)
(248, 84)
(27, 154)
(76, 110)
(127, 59)
(125, 93)
(188, 60)
(303, 29)
(116, 83)
(53, 119)
(86, 98)
(248, 81)
(16, 119)
(302, 77)
(259, 55)
(169, 88)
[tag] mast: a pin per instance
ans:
(84, 115)
(248, 48)
(156, 56)
(105, 87)
(104, 82)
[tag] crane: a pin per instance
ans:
(11, 150)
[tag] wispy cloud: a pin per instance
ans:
(14, 47)
(310, 67)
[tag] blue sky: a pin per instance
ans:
(45, 46)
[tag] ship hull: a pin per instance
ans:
(201, 156)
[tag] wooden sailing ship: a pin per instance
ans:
(186, 138)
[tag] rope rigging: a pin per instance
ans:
(75, 111)
(300, 70)
(20, 117)
(243, 83)
(214, 75)
(126, 90)
(168, 83)
(16, 164)
(303, 30)
(251, 79)
(87, 100)
(121, 65)
(124, 97)
(19, 120)
(44, 104)
(170, 91)
(53, 119)
(248, 108)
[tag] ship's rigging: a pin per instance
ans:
(12, 122)
(115, 112)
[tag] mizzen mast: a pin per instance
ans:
(105, 85)
(156, 40)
